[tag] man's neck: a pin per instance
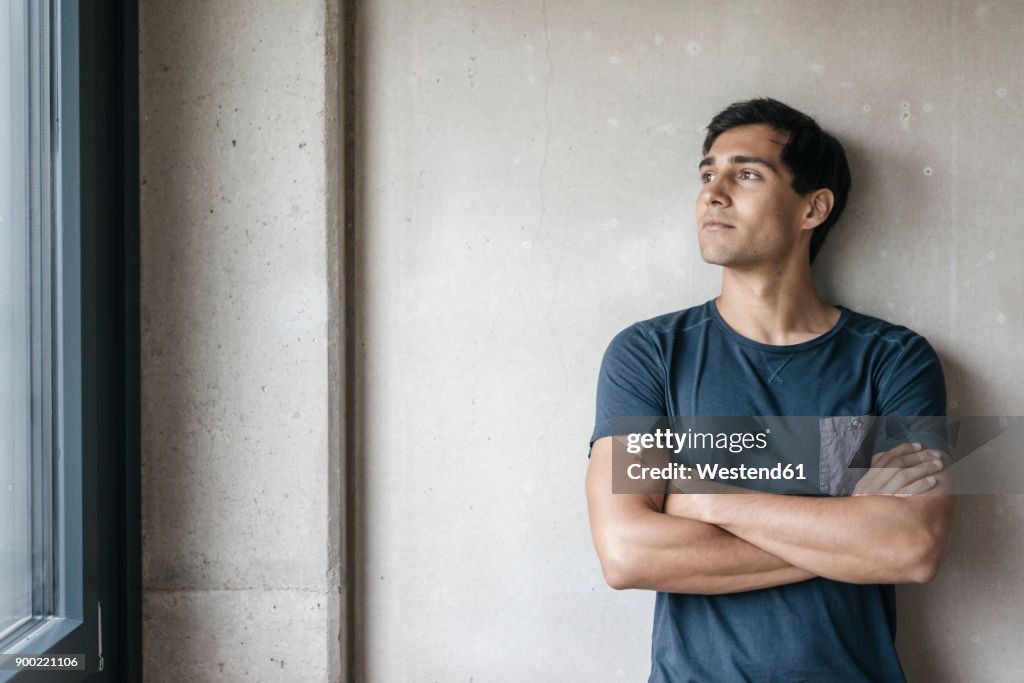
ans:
(779, 308)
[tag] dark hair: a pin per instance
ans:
(815, 158)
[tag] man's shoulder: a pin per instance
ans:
(907, 371)
(874, 330)
(669, 324)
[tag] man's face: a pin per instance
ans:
(748, 214)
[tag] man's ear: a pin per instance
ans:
(819, 206)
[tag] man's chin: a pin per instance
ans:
(716, 258)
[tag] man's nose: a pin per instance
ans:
(714, 193)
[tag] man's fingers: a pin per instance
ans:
(909, 475)
(885, 457)
(898, 471)
(919, 486)
(913, 459)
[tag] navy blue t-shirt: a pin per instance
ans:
(692, 363)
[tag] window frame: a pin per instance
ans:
(108, 97)
(97, 110)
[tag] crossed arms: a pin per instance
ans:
(889, 531)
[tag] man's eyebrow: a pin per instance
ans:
(741, 159)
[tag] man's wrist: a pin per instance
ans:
(701, 506)
(724, 508)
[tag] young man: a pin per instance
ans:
(765, 587)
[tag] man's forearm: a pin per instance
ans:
(863, 539)
(642, 547)
(662, 552)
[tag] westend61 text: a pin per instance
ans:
(778, 472)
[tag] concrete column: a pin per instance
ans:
(240, 569)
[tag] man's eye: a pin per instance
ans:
(749, 175)
(706, 177)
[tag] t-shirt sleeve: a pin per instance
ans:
(631, 385)
(914, 391)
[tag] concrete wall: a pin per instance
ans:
(236, 556)
(527, 187)
(528, 190)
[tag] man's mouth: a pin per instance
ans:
(715, 224)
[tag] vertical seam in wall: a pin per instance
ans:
(341, 655)
(353, 512)
(336, 603)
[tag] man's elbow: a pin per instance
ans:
(617, 580)
(617, 574)
(922, 571)
(925, 566)
(619, 567)
(923, 562)
(931, 540)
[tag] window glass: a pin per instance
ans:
(27, 257)
(16, 401)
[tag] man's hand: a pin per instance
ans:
(905, 470)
